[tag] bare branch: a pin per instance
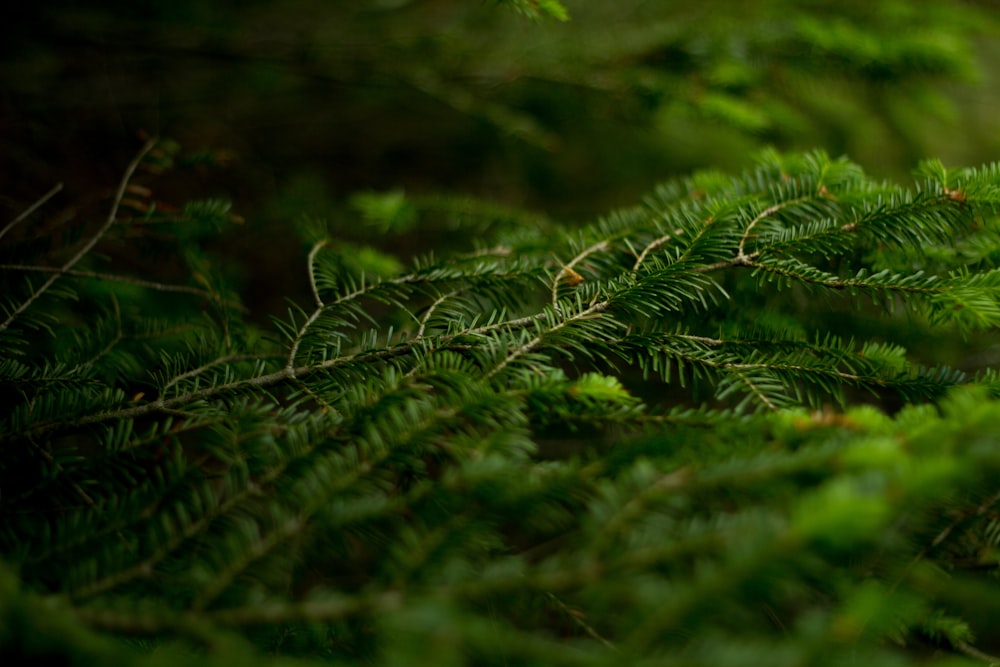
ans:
(31, 209)
(112, 216)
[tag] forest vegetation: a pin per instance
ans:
(447, 332)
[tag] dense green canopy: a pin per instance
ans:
(451, 332)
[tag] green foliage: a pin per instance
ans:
(537, 9)
(750, 420)
(384, 476)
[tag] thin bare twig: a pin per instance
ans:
(112, 217)
(31, 209)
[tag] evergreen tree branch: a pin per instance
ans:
(592, 311)
(129, 280)
(971, 651)
(194, 372)
(425, 475)
(741, 255)
(430, 312)
(652, 246)
(568, 273)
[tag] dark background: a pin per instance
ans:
(289, 108)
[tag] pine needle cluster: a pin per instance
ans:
(642, 441)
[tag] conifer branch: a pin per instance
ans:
(432, 462)
(430, 312)
(311, 265)
(568, 272)
(129, 280)
(194, 372)
(971, 651)
(165, 405)
(741, 255)
(288, 529)
(145, 567)
(320, 306)
(652, 246)
(594, 310)
(880, 282)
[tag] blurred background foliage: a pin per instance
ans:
(361, 115)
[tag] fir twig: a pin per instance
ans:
(129, 280)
